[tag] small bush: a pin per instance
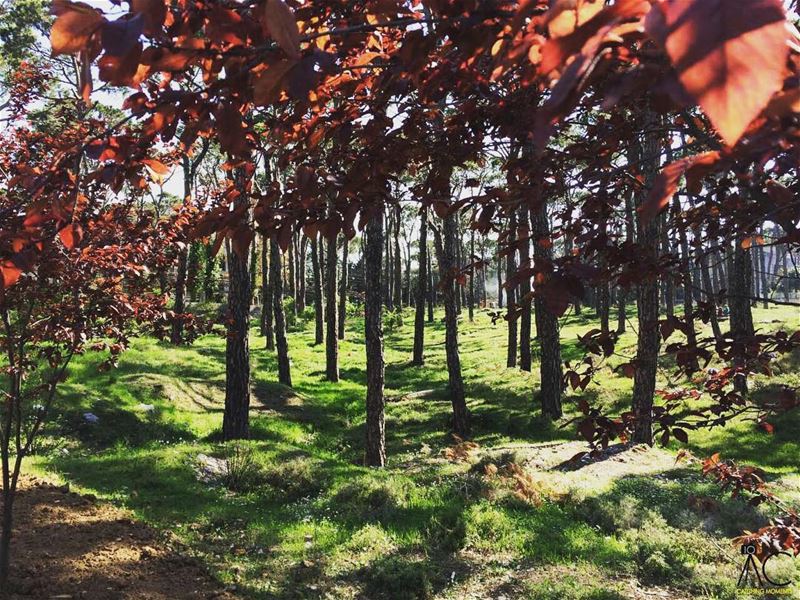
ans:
(295, 478)
(392, 320)
(243, 472)
(569, 587)
(489, 528)
(399, 579)
(447, 531)
(377, 499)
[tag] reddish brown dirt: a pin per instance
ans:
(70, 546)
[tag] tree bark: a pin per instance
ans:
(511, 268)
(267, 301)
(418, 358)
(301, 275)
(319, 334)
(446, 249)
(686, 274)
(332, 337)
(343, 287)
(649, 342)
(375, 455)
(284, 368)
(179, 307)
(471, 298)
(547, 326)
(236, 417)
(431, 289)
(525, 292)
(398, 268)
(741, 319)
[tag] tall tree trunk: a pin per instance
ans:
(708, 284)
(525, 292)
(343, 286)
(317, 282)
(471, 298)
(499, 279)
(292, 273)
(741, 320)
(301, 291)
(179, 307)
(375, 455)
(284, 368)
(547, 325)
(446, 250)
(431, 289)
(398, 268)
(622, 292)
(267, 301)
(388, 295)
(648, 343)
(762, 267)
(409, 294)
(419, 317)
(236, 417)
(511, 268)
(686, 273)
(332, 338)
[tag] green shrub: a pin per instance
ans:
(376, 498)
(295, 478)
(399, 578)
(568, 588)
(243, 473)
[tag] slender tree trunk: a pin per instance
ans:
(419, 316)
(648, 344)
(499, 279)
(398, 263)
(409, 294)
(741, 321)
(179, 307)
(284, 368)
(446, 250)
(375, 455)
(686, 274)
(343, 287)
(762, 267)
(301, 291)
(331, 337)
(317, 282)
(236, 417)
(471, 299)
(267, 301)
(525, 292)
(708, 284)
(511, 268)
(547, 325)
(388, 295)
(431, 289)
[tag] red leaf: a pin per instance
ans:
(768, 427)
(282, 26)
(70, 235)
(10, 272)
(730, 56)
(72, 30)
(241, 240)
(666, 184)
(267, 82)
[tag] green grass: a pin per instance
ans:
(312, 521)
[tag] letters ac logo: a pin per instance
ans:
(751, 573)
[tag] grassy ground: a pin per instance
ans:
(308, 522)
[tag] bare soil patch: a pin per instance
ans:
(71, 546)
